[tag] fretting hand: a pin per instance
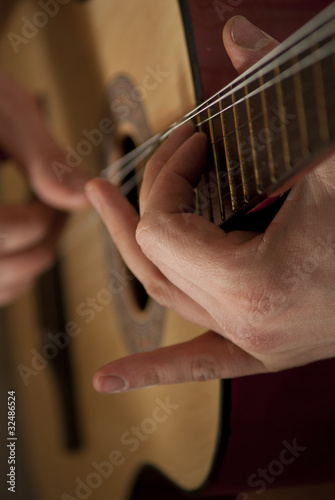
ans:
(267, 299)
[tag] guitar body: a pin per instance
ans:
(127, 62)
(72, 63)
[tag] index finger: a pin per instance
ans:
(179, 176)
(160, 158)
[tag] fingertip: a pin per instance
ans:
(245, 43)
(93, 196)
(100, 186)
(183, 131)
(76, 181)
(202, 137)
(98, 192)
(108, 384)
(227, 30)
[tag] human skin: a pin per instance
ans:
(266, 298)
(29, 231)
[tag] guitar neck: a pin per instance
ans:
(271, 123)
(265, 129)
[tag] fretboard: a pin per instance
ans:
(271, 123)
(264, 129)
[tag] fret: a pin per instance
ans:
(312, 110)
(298, 89)
(275, 122)
(214, 180)
(243, 122)
(310, 96)
(267, 131)
(263, 174)
(291, 116)
(269, 124)
(238, 144)
(281, 110)
(199, 188)
(320, 99)
(231, 151)
(221, 163)
(253, 156)
(203, 201)
(328, 73)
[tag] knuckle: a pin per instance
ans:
(203, 369)
(257, 340)
(158, 290)
(249, 339)
(265, 300)
(151, 377)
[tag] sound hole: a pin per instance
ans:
(140, 295)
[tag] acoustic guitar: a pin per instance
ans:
(110, 77)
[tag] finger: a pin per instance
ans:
(121, 220)
(24, 136)
(245, 43)
(7, 295)
(23, 226)
(207, 357)
(23, 267)
(184, 167)
(161, 156)
(163, 227)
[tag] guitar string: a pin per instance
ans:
(235, 86)
(72, 236)
(292, 47)
(130, 161)
(133, 182)
(308, 60)
(147, 148)
(123, 167)
(317, 56)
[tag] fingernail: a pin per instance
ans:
(247, 35)
(93, 197)
(112, 383)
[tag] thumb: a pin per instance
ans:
(245, 43)
(206, 357)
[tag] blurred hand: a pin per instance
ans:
(267, 299)
(28, 232)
